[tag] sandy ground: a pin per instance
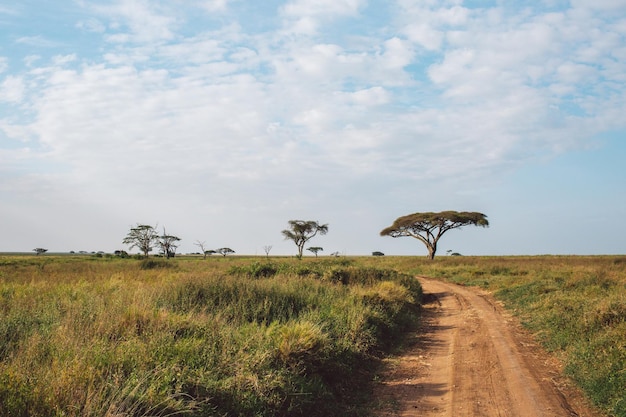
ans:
(471, 358)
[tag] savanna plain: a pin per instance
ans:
(252, 336)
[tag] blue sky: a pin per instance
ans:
(221, 120)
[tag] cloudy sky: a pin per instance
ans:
(221, 120)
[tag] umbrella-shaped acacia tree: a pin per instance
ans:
(301, 231)
(429, 227)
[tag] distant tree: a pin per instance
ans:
(429, 227)
(121, 253)
(39, 251)
(142, 237)
(168, 244)
(224, 251)
(315, 249)
(301, 231)
(377, 253)
(202, 248)
(209, 252)
(335, 254)
(267, 249)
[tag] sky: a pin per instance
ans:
(221, 120)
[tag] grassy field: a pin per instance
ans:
(280, 337)
(83, 336)
(575, 305)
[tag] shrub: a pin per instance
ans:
(152, 263)
(254, 270)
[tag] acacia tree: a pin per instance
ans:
(315, 249)
(302, 231)
(224, 251)
(168, 244)
(142, 237)
(429, 227)
(39, 251)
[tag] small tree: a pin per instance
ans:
(168, 244)
(224, 251)
(202, 248)
(315, 250)
(429, 227)
(209, 252)
(301, 231)
(39, 251)
(267, 249)
(143, 237)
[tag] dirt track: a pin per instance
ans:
(472, 359)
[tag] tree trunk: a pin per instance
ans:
(432, 249)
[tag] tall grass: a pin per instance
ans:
(575, 305)
(111, 337)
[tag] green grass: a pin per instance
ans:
(217, 337)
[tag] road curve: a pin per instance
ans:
(470, 359)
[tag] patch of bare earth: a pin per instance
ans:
(471, 358)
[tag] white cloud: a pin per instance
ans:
(12, 89)
(37, 41)
(305, 17)
(144, 21)
(397, 54)
(214, 5)
(323, 8)
(424, 35)
(370, 97)
(11, 11)
(601, 5)
(426, 23)
(91, 25)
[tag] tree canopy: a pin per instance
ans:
(143, 237)
(224, 251)
(429, 227)
(315, 249)
(168, 244)
(301, 231)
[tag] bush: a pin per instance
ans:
(255, 270)
(152, 263)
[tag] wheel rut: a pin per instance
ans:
(470, 358)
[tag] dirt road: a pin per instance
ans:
(470, 358)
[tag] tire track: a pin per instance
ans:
(468, 359)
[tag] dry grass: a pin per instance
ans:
(119, 337)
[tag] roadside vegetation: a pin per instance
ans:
(575, 306)
(224, 336)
